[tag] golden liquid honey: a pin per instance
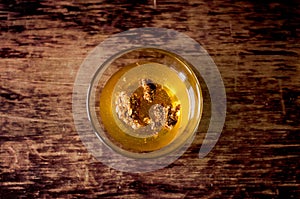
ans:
(173, 93)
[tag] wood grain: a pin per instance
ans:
(255, 45)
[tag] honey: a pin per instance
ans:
(144, 106)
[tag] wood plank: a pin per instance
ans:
(256, 46)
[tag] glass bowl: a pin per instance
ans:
(145, 102)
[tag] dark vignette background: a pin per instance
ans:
(256, 46)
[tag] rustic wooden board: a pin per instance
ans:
(255, 45)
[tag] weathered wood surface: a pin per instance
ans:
(255, 45)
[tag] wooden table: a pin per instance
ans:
(255, 45)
